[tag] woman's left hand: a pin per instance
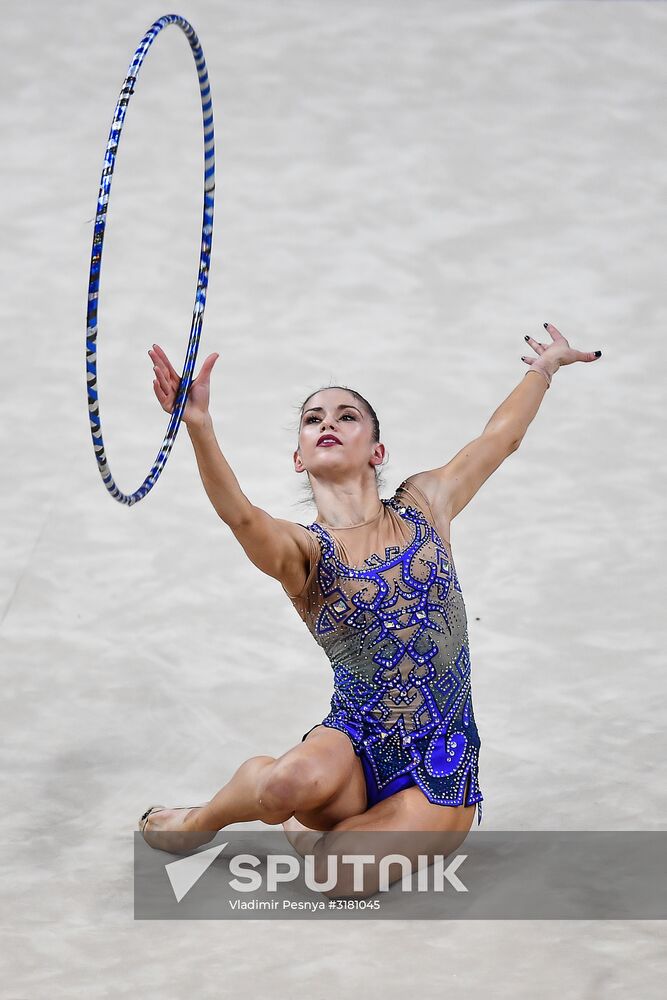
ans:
(552, 356)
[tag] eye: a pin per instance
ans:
(313, 417)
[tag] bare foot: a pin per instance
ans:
(173, 830)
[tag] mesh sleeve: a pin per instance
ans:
(314, 554)
(408, 492)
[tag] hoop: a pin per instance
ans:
(96, 259)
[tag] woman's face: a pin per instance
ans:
(335, 412)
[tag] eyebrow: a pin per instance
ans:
(341, 406)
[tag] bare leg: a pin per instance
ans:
(396, 820)
(301, 837)
(320, 778)
(322, 772)
(238, 801)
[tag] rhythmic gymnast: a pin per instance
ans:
(375, 583)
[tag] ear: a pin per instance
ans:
(379, 451)
(298, 464)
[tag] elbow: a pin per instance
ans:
(238, 519)
(237, 522)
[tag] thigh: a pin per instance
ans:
(407, 824)
(409, 810)
(332, 755)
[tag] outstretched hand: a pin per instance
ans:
(553, 356)
(167, 382)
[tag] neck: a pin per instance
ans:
(341, 506)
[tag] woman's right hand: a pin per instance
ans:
(167, 382)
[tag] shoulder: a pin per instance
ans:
(299, 573)
(306, 537)
(420, 490)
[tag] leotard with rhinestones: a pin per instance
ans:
(394, 629)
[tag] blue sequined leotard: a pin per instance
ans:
(395, 632)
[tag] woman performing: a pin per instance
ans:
(375, 583)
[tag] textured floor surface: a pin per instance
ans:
(403, 191)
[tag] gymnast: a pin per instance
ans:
(375, 583)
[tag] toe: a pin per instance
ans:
(143, 820)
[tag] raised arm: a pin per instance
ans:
(279, 548)
(451, 487)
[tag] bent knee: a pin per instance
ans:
(295, 784)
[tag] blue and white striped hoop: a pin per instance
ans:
(96, 258)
